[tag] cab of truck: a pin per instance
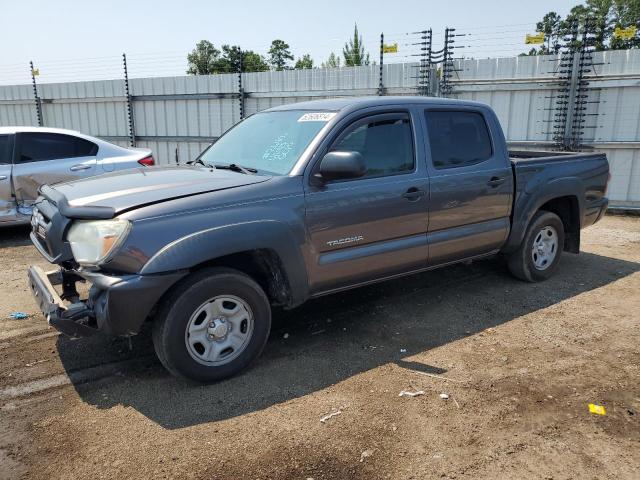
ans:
(297, 202)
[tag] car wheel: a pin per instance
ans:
(539, 253)
(212, 325)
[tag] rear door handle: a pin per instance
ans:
(80, 166)
(413, 194)
(496, 181)
(3, 177)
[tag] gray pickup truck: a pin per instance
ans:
(296, 202)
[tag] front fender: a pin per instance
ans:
(211, 243)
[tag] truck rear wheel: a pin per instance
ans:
(212, 325)
(539, 253)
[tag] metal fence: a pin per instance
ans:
(178, 116)
(522, 91)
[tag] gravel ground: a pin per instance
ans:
(519, 362)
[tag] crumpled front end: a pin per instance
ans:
(115, 305)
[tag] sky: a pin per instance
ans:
(73, 39)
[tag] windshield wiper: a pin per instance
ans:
(232, 166)
(198, 160)
(236, 168)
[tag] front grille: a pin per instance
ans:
(40, 225)
(48, 227)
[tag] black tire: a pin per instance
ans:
(521, 263)
(172, 320)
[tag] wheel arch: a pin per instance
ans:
(263, 265)
(564, 197)
(265, 250)
(568, 209)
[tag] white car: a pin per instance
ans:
(33, 156)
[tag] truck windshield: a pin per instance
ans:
(270, 142)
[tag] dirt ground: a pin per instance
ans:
(520, 363)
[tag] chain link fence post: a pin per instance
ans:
(35, 95)
(240, 88)
(127, 92)
(381, 83)
(585, 64)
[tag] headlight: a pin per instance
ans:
(93, 240)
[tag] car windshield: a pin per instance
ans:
(270, 142)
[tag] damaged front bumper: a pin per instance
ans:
(72, 320)
(116, 304)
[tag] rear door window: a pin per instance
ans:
(36, 147)
(6, 149)
(458, 138)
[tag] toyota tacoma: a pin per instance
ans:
(295, 202)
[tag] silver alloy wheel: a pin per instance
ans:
(219, 330)
(545, 248)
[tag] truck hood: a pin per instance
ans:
(108, 195)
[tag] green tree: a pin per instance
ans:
(279, 54)
(606, 15)
(202, 59)
(304, 62)
(550, 26)
(231, 57)
(531, 53)
(332, 62)
(600, 12)
(353, 51)
(626, 13)
(253, 62)
(206, 59)
(230, 60)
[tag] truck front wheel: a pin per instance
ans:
(539, 253)
(212, 325)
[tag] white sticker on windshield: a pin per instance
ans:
(317, 117)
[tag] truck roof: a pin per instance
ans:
(337, 104)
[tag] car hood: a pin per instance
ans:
(108, 195)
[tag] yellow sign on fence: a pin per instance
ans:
(35, 72)
(390, 48)
(625, 33)
(534, 38)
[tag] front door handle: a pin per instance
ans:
(80, 166)
(496, 181)
(413, 194)
(3, 177)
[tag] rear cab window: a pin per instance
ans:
(36, 147)
(457, 138)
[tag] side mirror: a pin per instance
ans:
(341, 165)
